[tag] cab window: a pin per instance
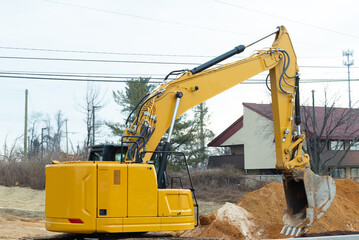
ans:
(96, 155)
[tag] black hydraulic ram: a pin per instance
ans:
(226, 55)
(218, 59)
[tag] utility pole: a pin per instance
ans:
(25, 127)
(42, 142)
(93, 124)
(314, 123)
(348, 62)
(201, 130)
(67, 138)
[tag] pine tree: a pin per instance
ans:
(189, 135)
(197, 151)
(128, 99)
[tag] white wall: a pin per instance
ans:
(258, 139)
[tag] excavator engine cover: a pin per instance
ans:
(308, 196)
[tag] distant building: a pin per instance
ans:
(251, 140)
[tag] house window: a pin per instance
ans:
(354, 172)
(339, 173)
(337, 145)
(354, 145)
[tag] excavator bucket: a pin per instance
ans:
(308, 197)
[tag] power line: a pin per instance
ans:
(86, 76)
(72, 79)
(316, 66)
(87, 73)
(94, 60)
(127, 61)
(103, 52)
(120, 80)
(128, 54)
(198, 26)
(288, 19)
(97, 80)
(73, 75)
(144, 18)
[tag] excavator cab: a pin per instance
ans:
(108, 152)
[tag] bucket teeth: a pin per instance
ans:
(292, 231)
(283, 229)
(288, 230)
(298, 232)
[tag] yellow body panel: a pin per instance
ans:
(112, 190)
(142, 190)
(178, 223)
(175, 202)
(113, 197)
(145, 224)
(71, 194)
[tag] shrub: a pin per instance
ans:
(24, 174)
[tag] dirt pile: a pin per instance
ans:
(258, 214)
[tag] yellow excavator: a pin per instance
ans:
(130, 193)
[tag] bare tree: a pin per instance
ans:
(331, 132)
(11, 153)
(220, 151)
(58, 134)
(44, 138)
(93, 102)
(34, 138)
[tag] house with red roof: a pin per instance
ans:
(251, 139)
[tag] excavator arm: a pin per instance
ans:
(308, 196)
(198, 85)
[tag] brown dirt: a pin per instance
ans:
(265, 207)
(22, 212)
(15, 227)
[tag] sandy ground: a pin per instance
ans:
(13, 227)
(22, 212)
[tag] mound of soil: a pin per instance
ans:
(259, 214)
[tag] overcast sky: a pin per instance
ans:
(177, 31)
